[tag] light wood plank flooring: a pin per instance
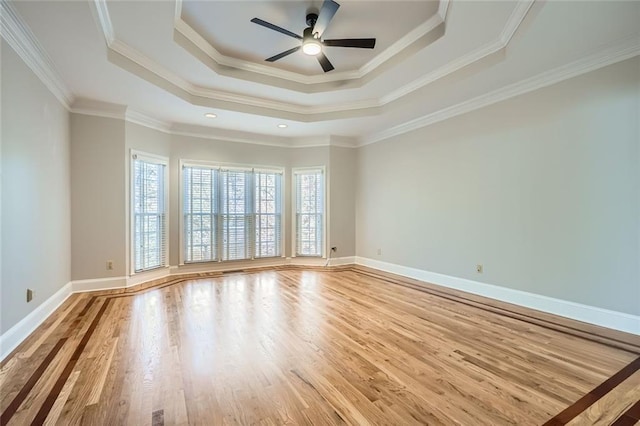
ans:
(307, 347)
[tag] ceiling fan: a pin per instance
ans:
(312, 42)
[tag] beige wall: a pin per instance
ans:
(342, 205)
(142, 138)
(97, 197)
(35, 191)
(542, 189)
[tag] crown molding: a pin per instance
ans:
(148, 64)
(145, 120)
(147, 69)
(240, 101)
(261, 139)
(22, 40)
(220, 61)
(406, 41)
(324, 141)
(312, 142)
(118, 112)
(122, 112)
(621, 51)
(99, 109)
(513, 23)
(608, 55)
(104, 19)
(344, 141)
(252, 101)
(453, 66)
(515, 20)
(625, 49)
(230, 136)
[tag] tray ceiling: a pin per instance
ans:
(168, 63)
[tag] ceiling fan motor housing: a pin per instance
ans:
(312, 17)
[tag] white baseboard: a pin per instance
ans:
(142, 277)
(205, 267)
(258, 263)
(590, 314)
(115, 283)
(306, 261)
(339, 261)
(19, 332)
(111, 283)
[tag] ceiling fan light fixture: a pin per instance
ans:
(312, 36)
(311, 46)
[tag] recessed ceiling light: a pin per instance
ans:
(210, 115)
(282, 126)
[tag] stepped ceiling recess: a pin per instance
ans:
(165, 64)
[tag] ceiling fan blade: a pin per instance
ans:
(328, 9)
(283, 54)
(324, 62)
(363, 43)
(275, 28)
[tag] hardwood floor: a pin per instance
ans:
(308, 347)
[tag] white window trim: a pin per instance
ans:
(325, 204)
(283, 210)
(237, 166)
(145, 156)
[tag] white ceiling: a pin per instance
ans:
(169, 62)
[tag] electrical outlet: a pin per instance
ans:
(379, 252)
(334, 248)
(30, 295)
(109, 265)
(479, 269)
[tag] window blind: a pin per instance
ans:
(200, 213)
(236, 214)
(309, 192)
(149, 214)
(231, 213)
(268, 214)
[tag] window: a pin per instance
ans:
(309, 212)
(149, 213)
(236, 214)
(231, 213)
(200, 213)
(268, 215)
